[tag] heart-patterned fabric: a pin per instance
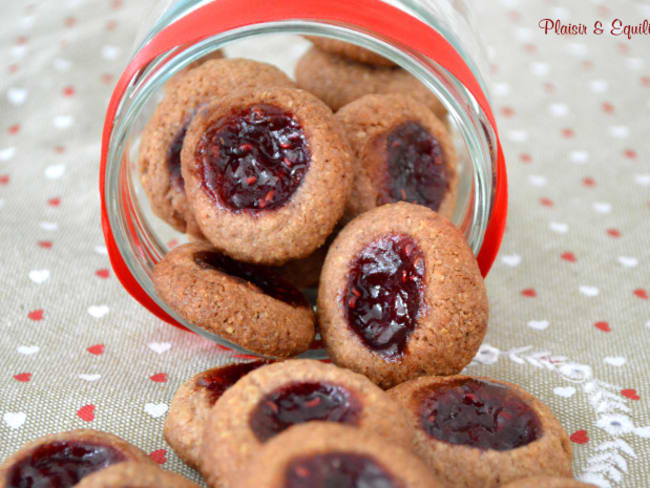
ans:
(569, 292)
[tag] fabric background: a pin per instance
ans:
(570, 312)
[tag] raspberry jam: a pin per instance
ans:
(218, 380)
(384, 294)
(61, 464)
(416, 167)
(174, 159)
(260, 276)
(301, 402)
(479, 414)
(254, 159)
(338, 469)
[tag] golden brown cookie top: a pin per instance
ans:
(135, 475)
(350, 51)
(548, 482)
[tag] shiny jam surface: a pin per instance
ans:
(261, 276)
(174, 159)
(384, 295)
(338, 470)
(61, 464)
(254, 159)
(416, 167)
(218, 380)
(301, 402)
(479, 414)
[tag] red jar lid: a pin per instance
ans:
(371, 15)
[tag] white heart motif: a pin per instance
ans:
(518, 135)
(101, 250)
(537, 180)
(634, 63)
(643, 180)
(51, 226)
(19, 51)
(55, 171)
(558, 109)
(39, 275)
(579, 157)
(602, 207)
(155, 409)
(501, 89)
(589, 291)
(89, 377)
(619, 131)
(615, 360)
(539, 69)
(538, 324)
(14, 419)
(564, 391)
(578, 49)
(599, 86)
(62, 121)
(110, 52)
(17, 96)
(159, 347)
(27, 350)
(627, 261)
(98, 311)
(559, 227)
(7, 153)
(61, 64)
(511, 259)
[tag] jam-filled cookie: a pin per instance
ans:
(162, 138)
(404, 151)
(401, 296)
(338, 81)
(135, 475)
(249, 305)
(192, 403)
(271, 399)
(548, 482)
(322, 455)
(483, 432)
(63, 459)
(267, 174)
(349, 51)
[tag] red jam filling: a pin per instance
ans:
(302, 402)
(260, 276)
(254, 159)
(61, 464)
(417, 172)
(338, 470)
(384, 294)
(218, 380)
(479, 414)
(174, 159)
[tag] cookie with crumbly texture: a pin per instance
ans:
(135, 475)
(401, 296)
(66, 458)
(245, 304)
(218, 54)
(349, 51)
(193, 401)
(548, 482)
(483, 432)
(322, 454)
(271, 399)
(338, 81)
(162, 138)
(404, 153)
(267, 174)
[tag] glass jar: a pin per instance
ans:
(431, 39)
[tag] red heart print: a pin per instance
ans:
(107, 78)
(102, 273)
(630, 153)
(547, 202)
(4, 179)
(614, 232)
(59, 149)
(45, 244)
(35, 315)
(54, 202)
(68, 91)
(507, 111)
(97, 349)
(159, 377)
(87, 413)
(529, 292)
(607, 107)
(641, 293)
(630, 393)
(589, 181)
(568, 133)
(569, 256)
(525, 158)
(70, 21)
(579, 437)
(23, 377)
(645, 80)
(602, 325)
(159, 456)
(14, 129)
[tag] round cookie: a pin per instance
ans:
(192, 403)
(548, 482)
(338, 81)
(270, 399)
(162, 138)
(245, 304)
(218, 54)
(482, 432)
(405, 154)
(135, 475)
(349, 51)
(321, 454)
(401, 296)
(267, 174)
(65, 458)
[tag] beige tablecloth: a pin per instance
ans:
(570, 312)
